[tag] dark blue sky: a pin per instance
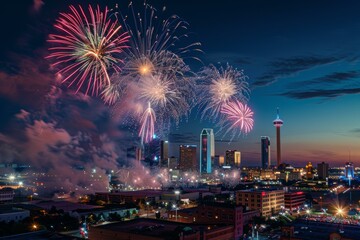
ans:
(300, 56)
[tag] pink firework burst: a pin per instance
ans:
(238, 116)
(87, 48)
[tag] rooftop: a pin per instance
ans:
(159, 228)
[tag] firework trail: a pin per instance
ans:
(238, 118)
(219, 86)
(147, 128)
(87, 47)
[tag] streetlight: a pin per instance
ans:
(147, 209)
(174, 206)
(177, 193)
(340, 211)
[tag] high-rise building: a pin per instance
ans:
(187, 159)
(232, 158)
(138, 154)
(268, 202)
(278, 123)
(219, 161)
(152, 151)
(164, 153)
(323, 170)
(172, 163)
(265, 152)
(349, 170)
(309, 171)
(207, 150)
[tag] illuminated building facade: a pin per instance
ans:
(268, 202)
(349, 170)
(207, 150)
(187, 159)
(233, 158)
(293, 200)
(309, 171)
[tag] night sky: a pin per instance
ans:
(301, 56)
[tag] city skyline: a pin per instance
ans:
(309, 68)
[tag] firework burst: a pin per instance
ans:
(155, 65)
(238, 118)
(158, 90)
(157, 44)
(87, 48)
(219, 86)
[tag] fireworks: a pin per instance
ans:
(239, 117)
(88, 47)
(217, 87)
(158, 90)
(156, 44)
(147, 128)
(154, 67)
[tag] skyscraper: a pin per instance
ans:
(349, 170)
(265, 152)
(172, 163)
(232, 158)
(152, 151)
(164, 153)
(278, 123)
(323, 170)
(187, 159)
(207, 150)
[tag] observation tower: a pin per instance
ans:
(278, 123)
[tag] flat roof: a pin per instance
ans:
(260, 190)
(155, 227)
(138, 193)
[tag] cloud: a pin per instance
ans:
(355, 130)
(320, 93)
(289, 66)
(332, 78)
(28, 84)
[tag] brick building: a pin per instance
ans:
(268, 202)
(293, 200)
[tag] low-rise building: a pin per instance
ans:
(152, 229)
(6, 194)
(268, 202)
(13, 214)
(215, 213)
(293, 200)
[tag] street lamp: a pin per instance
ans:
(174, 206)
(340, 211)
(177, 193)
(147, 209)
